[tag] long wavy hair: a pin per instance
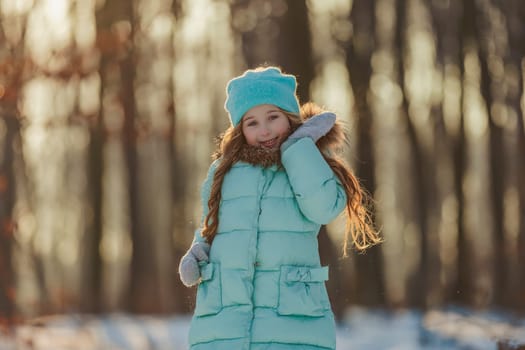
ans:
(359, 232)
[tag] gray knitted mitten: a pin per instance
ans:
(314, 128)
(189, 264)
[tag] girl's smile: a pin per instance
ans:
(265, 126)
(272, 143)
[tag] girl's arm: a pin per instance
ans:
(205, 195)
(199, 250)
(317, 189)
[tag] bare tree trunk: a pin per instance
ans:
(93, 267)
(11, 71)
(514, 11)
(415, 284)
(10, 125)
(92, 281)
(154, 147)
(294, 46)
(280, 37)
(359, 57)
(477, 245)
(489, 90)
(447, 23)
(118, 74)
(521, 220)
(181, 292)
(461, 285)
(513, 202)
(141, 276)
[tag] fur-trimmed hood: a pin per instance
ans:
(256, 155)
(335, 139)
(329, 144)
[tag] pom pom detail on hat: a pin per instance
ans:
(260, 86)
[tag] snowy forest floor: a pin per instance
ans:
(370, 329)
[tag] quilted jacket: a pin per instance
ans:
(264, 286)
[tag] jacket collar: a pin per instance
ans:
(264, 157)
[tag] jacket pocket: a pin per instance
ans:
(209, 296)
(302, 291)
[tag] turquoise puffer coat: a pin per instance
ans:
(264, 286)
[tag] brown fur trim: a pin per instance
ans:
(256, 155)
(335, 139)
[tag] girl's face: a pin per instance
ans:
(265, 126)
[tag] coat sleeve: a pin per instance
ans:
(318, 191)
(205, 195)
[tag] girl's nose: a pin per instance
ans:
(265, 130)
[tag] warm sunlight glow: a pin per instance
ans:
(452, 99)
(44, 45)
(197, 21)
(115, 247)
(38, 98)
(329, 6)
(331, 83)
(15, 7)
(56, 10)
(84, 24)
(67, 250)
(332, 88)
(89, 94)
(419, 81)
(388, 91)
(161, 27)
(476, 120)
(26, 228)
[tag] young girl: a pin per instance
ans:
(274, 181)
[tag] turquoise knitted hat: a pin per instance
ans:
(257, 87)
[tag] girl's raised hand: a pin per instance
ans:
(314, 128)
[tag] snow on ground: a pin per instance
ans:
(454, 329)
(440, 329)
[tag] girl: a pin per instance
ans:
(274, 181)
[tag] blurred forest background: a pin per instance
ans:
(109, 111)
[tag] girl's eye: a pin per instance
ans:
(251, 123)
(274, 116)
